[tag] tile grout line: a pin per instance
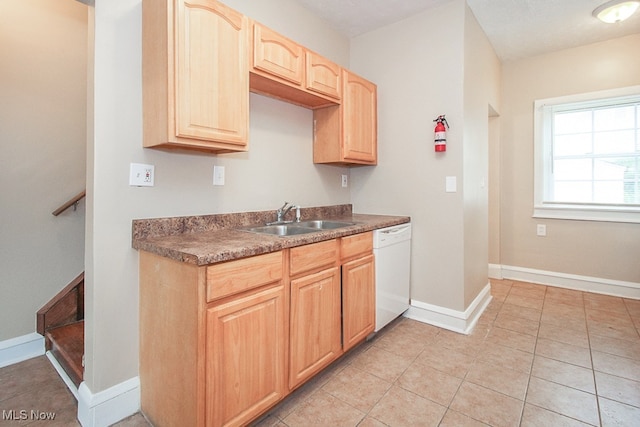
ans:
(526, 393)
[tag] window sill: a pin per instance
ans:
(588, 213)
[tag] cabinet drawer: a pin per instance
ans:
(237, 276)
(316, 255)
(357, 244)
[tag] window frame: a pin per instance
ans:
(543, 158)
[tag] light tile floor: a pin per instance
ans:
(539, 356)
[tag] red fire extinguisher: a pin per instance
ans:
(440, 141)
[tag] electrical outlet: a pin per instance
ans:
(541, 230)
(345, 180)
(218, 175)
(141, 175)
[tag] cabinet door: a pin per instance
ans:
(276, 55)
(323, 76)
(359, 119)
(212, 73)
(315, 324)
(245, 356)
(358, 300)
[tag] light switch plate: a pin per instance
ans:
(451, 184)
(141, 175)
(218, 175)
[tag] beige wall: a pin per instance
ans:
(418, 64)
(43, 51)
(595, 249)
(481, 96)
(278, 167)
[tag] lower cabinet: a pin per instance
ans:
(245, 356)
(315, 324)
(358, 301)
(221, 344)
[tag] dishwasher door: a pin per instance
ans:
(392, 250)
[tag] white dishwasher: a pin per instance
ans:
(392, 250)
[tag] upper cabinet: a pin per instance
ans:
(323, 76)
(201, 58)
(348, 134)
(195, 76)
(283, 69)
(277, 56)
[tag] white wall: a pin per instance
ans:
(43, 51)
(278, 167)
(586, 248)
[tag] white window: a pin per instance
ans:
(587, 156)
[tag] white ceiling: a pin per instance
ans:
(516, 28)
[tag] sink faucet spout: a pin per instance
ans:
(280, 213)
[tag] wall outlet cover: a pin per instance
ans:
(141, 175)
(541, 230)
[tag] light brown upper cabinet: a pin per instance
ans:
(323, 76)
(283, 69)
(195, 72)
(347, 134)
(277, 56)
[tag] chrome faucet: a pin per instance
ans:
(280, 213)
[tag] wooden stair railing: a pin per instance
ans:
(61, 322)
(71, 202)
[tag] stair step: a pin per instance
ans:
(67, 346)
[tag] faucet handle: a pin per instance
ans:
(283, 206)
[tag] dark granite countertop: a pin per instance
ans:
(209, 239)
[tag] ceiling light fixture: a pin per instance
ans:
(616, 10)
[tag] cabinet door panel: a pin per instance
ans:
(245, 363)
(323, 76)
(360, 119)
(212, 73)
(277, 55)
(315, 324)
(358, 300)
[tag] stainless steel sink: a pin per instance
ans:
(321, 224)
(295, 228)
(280, 230)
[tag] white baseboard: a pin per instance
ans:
(597, 285)
(495, 271)
(108, 406)
(21, 348)
(63, 374)
(453, 320)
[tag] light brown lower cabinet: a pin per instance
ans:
(358, 288)
(358, 302)
(245, 356)
(315, 324)
(221, 344)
